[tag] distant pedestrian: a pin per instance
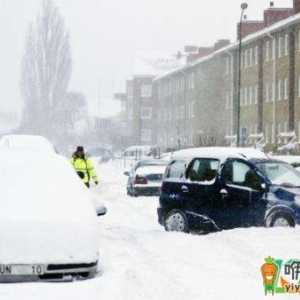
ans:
(84, 167)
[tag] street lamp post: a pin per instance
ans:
(244, 6)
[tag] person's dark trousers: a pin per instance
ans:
(87, 184)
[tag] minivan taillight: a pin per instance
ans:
(140, 180)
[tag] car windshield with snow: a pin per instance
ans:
(214, 188)
(48, 223)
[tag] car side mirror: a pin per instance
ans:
(264, 186)
(101, 211)
(126, 173)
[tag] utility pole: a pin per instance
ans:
(244, 6)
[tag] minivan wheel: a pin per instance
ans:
(282, 220)
(176, 220)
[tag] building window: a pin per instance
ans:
(146, 113)
(274, 48)
(256, 55)
(246, 96)
(250, 57)
(286, 45)
(267, 51)
(246, 59)
(192, 80)
(267, 133)
(286, 86)
(279, 90)
(274, 91)
(250, 95)
(280, 46)
(273, 133)
(193, 104)
(267, 92)
(256, 95)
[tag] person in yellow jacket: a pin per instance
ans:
(84, 167)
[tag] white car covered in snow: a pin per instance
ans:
(146, 177)
(48, 222)
(27, 142)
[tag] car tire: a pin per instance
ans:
(176, 220)
(281, 219)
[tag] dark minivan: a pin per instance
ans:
(210, 189)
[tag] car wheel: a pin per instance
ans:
(176, 220)
(281, 219)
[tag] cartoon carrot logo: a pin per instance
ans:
(269, 272)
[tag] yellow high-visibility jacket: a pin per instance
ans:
(86, 167)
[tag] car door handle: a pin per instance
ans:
(184, 189)
(224, 192)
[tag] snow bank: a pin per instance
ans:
(142, 261)
(29, 142)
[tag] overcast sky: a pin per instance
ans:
(107, 34)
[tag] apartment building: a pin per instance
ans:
(197, 104)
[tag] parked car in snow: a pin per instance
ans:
(145, 177)
(48, 221)
(100, 154)
(27, 142)
(293, 160)
(211, 189)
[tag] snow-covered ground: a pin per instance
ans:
(140, 261)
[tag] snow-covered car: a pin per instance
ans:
(145, 178)
(293, 160)
(211, 189)
(27, 142)
(48, 221)
(100, 154)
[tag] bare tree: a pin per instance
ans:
(46, 71)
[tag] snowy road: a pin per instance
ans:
(141, 261)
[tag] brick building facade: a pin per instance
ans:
(197, 105)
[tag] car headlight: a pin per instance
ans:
(297, 200)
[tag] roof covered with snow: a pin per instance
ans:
(221, 153)
(155, 63)
(266, 31)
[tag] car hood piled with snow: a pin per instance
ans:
(46, 212)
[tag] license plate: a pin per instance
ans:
(6, 270)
